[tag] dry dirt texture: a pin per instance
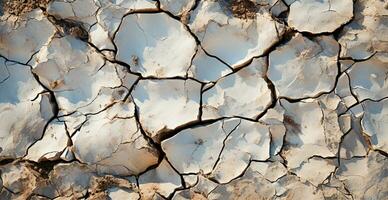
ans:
(20, 7)
(194, 99)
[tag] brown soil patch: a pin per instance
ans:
(290, 123)
(245, 9)
(105, 183)
(20, 7)
(70, 27)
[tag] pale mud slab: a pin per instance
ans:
(186, 99)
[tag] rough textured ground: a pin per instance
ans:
(186, 99)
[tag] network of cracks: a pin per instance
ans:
(194, 99)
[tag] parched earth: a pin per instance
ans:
(194, 99)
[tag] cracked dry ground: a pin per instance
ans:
(186, 99)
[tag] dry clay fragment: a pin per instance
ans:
(52, 144)
(129, 5)
(119, 193)
(248, 141)
(315, 170)
(20, 40)
(101, 17)
(368, 79)
(100, 37)
(70, 179)
(291, 187)
(256, 184)
(193, 150)
(20, 179)
(365, 178)
(162, 180)
(122, 149)
(24, 112)
(200, 187)
(79, 77)
(274, 6)
(77, 10)
(244, 94)
(274, 119)
(109, 16)
(196, 150)
(271, 171)
(303, 67)
(368, 32)
(354, 143)
(253, 185)
(207, 69)
(166, 104)
(333, 125)
(335, 189)
(155, 45)
(305, 135)
(375, 123)
(232, 39)
(344, 91)
(75, 180)
(318, 16)
(177, 7)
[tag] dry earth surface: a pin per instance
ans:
(194, 99)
